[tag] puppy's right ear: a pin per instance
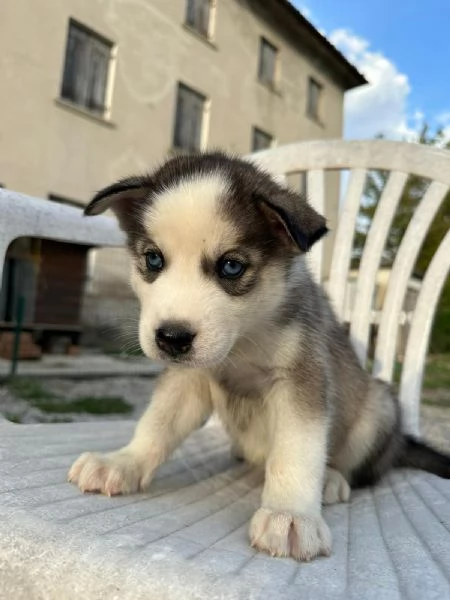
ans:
(124, 198)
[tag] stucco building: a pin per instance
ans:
(95, 90)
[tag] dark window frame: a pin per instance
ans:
(198, 16)
(258, 133)
(189, 99)
(267, 72)
(86, 69)
(313, 100)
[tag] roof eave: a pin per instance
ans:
(349, 74)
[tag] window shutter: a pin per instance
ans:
(81, 68)
(188, 119)
(197, 115)
(204, 17)
(86, 68)
(191, 10)
(98, 76)
(267, 61)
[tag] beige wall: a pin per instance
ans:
(46, 147)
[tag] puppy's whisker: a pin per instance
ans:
(228, 359)
(264, 351)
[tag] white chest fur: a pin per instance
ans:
(240, 405)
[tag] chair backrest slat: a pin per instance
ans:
(340, 262)
(399, 278)
(370, 262)
(401, 160)
(416, 349)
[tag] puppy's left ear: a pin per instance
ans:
(124, 198)
(292, 219)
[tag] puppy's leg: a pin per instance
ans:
(289, 523)
(335, 488)
(180, 404)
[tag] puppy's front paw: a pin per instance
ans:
(282, 534)
(335, 488)
(111, 474)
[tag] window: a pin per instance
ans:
(190, 110)
(267, 62)
(198, 16)
(86, 68)
(261, 140)
(314, 93)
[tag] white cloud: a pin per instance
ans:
(382, 105)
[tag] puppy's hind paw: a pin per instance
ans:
(335, 488)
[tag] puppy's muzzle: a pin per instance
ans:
(174, 339)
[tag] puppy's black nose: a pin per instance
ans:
(174, 339)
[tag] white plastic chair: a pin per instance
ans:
(401, 160)
(187, 537)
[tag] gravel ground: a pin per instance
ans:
(136, 391)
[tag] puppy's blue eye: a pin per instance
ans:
(154, 260)
(230, 268)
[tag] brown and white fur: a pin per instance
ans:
(262, 349)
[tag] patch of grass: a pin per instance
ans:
(437, 372)
(38, 397)
(102, 405)
(29, 389)
(93, 405)
(397, 372)
(12, 417)
(440, 336)
(126, 353)
(439, 401)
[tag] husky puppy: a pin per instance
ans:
(226, 299)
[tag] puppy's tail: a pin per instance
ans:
(418, 455)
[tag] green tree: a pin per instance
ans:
(413, 193)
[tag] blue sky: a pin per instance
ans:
(402, 46)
